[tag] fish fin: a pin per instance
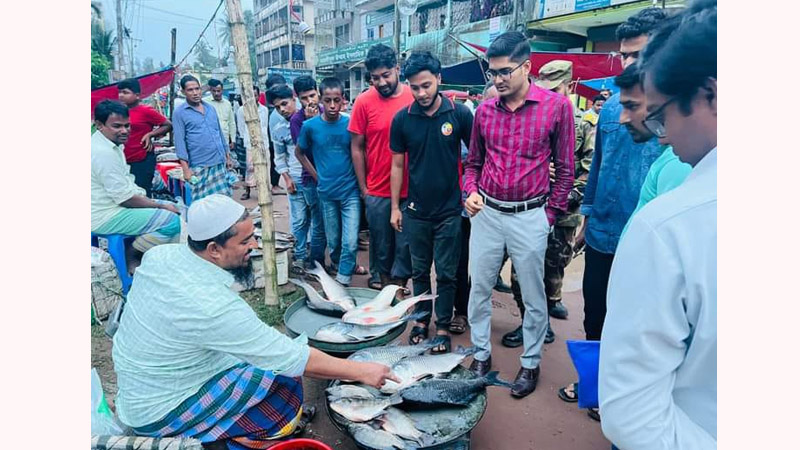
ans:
(395, 399)
(426, 297)
(466, 351)
(492, 379)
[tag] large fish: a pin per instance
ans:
(363, 409)
(389, 315)
(392, 354)
(414, 368)
(375, 439)
(333, 290)
(338, 332)
(401, 424)
(440, 391)
(317, 302)
(381, 301)
(341, 391)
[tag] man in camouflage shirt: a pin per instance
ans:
(557, 76)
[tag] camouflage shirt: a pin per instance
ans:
(584, 147)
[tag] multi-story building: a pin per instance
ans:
(276, 47)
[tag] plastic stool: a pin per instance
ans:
(116, 248)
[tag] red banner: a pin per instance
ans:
(149, 83)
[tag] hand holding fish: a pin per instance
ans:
(375, 375)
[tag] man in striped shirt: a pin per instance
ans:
(510, 197)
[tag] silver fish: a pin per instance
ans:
(381, 301)
(401, 424)
(333, 290)
(392, 354)
(338, 332)
(440, 391)
(375, 439)
(341, 391)
(384, 316)
(316, 301)
(411, 369)
(363, 409)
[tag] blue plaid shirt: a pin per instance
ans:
(619, 168)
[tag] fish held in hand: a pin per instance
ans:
(363, 409)
(393, 314)
(317, 302)
(415, 368)
(401, 424)
(392, 354)
(440, 391)
(333, 290)
(375, 439)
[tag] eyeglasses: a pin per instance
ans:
(654, 121)
(504, 73)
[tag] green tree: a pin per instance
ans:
(204, 58)
(100, 66)
(225, 38)
(103, 42)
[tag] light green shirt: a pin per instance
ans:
(226, 121)
(182, 324)
(666, 173)
(112, 182)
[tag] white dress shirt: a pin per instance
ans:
(658, 354)
(263, 118)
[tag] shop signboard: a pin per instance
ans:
(349, 54)
(554, 8)
(289, 74)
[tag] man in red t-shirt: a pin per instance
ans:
(146, 124)
(370, 126)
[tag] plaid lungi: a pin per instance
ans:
(244, 405)
(150, 226)
(211, 180)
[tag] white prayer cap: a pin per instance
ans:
(211, 216)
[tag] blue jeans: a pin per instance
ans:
(341, 228)
(306, 215)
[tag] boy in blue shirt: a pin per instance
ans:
(326, 138)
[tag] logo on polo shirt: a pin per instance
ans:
(447, 129)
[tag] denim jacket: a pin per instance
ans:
(619, 168)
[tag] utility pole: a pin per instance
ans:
(120, 37)
(260, 160)
(173, 39)
(397, 29)
(289, 27)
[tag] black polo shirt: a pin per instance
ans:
(433, 145)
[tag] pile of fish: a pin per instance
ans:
(374, 418)
(358, 323)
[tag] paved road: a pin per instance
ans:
(540, 421)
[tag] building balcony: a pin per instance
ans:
(333, 18)
(373, 5)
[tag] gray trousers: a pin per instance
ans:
(390, 248)
(524, 235)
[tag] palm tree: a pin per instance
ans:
(103, 41)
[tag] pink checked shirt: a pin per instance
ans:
(510, 152)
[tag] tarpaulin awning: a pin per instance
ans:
(585, 66)
(149, 83)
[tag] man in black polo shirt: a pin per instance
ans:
(430, 131)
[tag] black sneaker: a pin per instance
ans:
(549, 337)
(557, 310)
(512, 339)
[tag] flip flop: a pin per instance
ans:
(375, 284)
(594, 413)
(417, 331)
(458, 325)
(565, 395)
(446, 343)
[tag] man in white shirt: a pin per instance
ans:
(658, 354)
(263, 121)
(224, 111)
(119, 206)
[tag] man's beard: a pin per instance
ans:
(244, 274)
(392, 89)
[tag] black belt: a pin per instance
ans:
(527, 206)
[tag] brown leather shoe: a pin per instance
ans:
(525, 383)
(481, 368)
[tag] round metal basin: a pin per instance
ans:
(300, 318)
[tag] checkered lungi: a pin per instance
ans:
(245, 406)
(211, 180)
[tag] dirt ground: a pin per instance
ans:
(540, 421)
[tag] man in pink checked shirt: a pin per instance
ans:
(510, 197)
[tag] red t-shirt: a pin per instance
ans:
(143, 120)
(372, 118)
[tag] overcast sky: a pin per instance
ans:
(150, 21)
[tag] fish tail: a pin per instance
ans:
(415, 316)
(395, 399)
(466, 351)
(426, 297)
(298, 282)
(492, 379)
(430, 343)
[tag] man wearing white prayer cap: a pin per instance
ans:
(193, 359)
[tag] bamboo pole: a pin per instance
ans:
(260, 161)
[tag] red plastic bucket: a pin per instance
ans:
(301, 444)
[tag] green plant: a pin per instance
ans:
(100, 66)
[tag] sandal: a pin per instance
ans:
(594, 413)
(361, 270)
(458, 325)
(375, 284)
(418, 334)
(446, 343)
(569, 396)
(305, 418)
